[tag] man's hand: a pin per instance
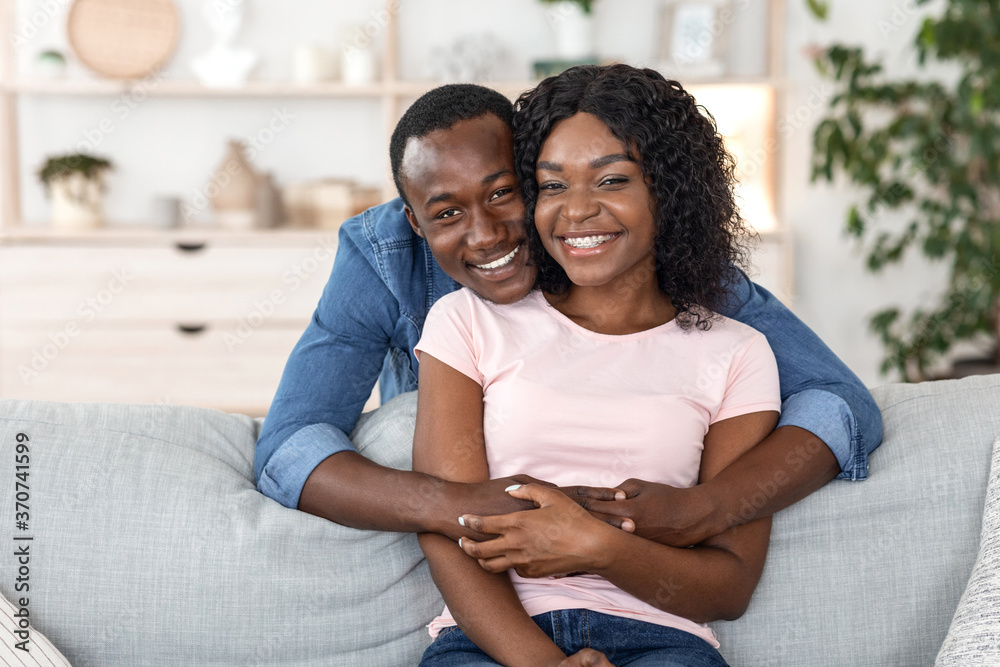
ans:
(485, 498)
(585, 495)
(666, 514)
(588, 657)
(559, 537)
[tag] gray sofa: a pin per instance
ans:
(152, 547)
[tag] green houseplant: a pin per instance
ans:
(586, 5)
(76, 186)
(928, 151)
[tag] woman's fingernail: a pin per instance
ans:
(512, 487)
(461, 520)
(619, 495)
(460, 543)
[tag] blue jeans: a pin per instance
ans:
(626, 642)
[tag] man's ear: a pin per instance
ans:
(412, 219)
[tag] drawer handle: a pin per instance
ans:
(192, 329)
(189, 247)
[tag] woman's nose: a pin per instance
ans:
(579, 205)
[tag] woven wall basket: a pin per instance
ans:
(123, 39)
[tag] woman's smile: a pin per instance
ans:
(588, 241)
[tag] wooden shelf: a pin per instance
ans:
(188, 89)
(139, 234)
(168, 88)
(192, 89)
(146, 234)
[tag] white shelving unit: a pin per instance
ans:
(185, 249)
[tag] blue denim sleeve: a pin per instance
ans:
(819, 393)
(329, 375)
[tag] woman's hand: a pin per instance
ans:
(488, 498)
(559, 537)
(588, 657)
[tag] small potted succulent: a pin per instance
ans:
(76, 186)
(50, 64)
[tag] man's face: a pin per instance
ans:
(465, 202)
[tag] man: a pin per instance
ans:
(459, 221)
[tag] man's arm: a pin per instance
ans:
(351, 490)
(829, 424)
(784, 468)
(819, 393)
(304, 458)
(329, 375)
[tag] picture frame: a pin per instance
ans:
(694, 38)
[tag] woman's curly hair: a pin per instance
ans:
(700, 233)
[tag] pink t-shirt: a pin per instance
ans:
(571, 406)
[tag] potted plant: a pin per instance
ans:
(573, 24)
(50, 64)
(929, 151)
(76, 185)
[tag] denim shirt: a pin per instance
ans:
(371, 314)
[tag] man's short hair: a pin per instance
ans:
(439, 109)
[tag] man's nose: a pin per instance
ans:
(487, 230)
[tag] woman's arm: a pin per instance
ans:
(448, 443)
(711, 581)
(715, 579)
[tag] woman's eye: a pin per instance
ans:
(550, 186)
(614, 180)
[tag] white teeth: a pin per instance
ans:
(503, 261)
(588, 241)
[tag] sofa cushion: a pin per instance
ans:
(153, 547)
(869, 573)
(974, 637)
(20, 642)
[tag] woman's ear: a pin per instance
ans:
(412, 219)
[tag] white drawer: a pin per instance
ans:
(218, 368)
(165, 284)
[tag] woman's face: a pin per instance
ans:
(594, 212)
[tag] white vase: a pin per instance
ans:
(574, 31)
(77, 202)
(224, 65)
(310, 65)
(357, 66)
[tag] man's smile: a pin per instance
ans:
(503, 261)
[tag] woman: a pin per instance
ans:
(619, 361)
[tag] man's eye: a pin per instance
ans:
(450, 213)
(500, 193)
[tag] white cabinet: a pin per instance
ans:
(211, 325)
